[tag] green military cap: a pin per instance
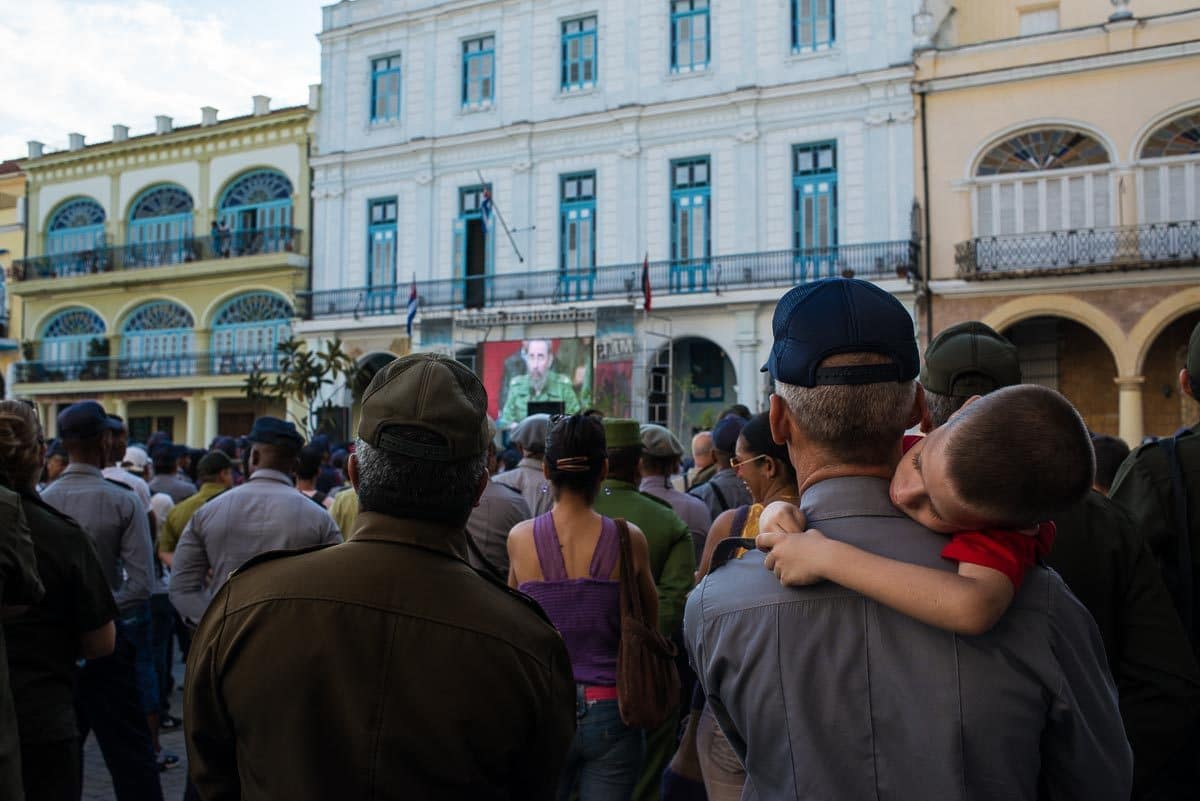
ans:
(621, 432)
(431, 392)
(969, 359)
(1193, 355)
(213, 463)
(659, 441)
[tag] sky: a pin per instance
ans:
(82, 65)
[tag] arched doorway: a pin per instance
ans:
(698, 384)
(1165, 408)
(1069, 357)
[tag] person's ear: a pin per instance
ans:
(484, 478)
(1185, 383)
(919, 414)
(352, 471)
(781, 421)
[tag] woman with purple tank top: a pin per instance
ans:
(568, 560)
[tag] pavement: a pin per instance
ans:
(97, 784)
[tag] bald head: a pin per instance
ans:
(702, 449)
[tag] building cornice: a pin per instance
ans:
(93, 157)
(634, 115)
(1067, 66)
(1059, 284)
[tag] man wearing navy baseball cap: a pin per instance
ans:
(872, 703)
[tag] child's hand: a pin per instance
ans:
(795, 559)
(780, 517)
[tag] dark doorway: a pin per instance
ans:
(475, 290)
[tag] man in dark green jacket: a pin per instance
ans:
(672, 560)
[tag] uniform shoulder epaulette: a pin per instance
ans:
(270, 556)
(524, 599)
(656, 499)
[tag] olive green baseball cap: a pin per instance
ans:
(1193, 355)
(659, 441)
(430, 392)
(969, 359)
(621, 432)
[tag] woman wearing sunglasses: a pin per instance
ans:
(568, 560)
(764, 467)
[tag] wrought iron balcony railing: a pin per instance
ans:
(874, 260)
(1082, 250)
(229, 244)
(109, 368)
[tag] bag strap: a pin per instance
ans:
(739, 521)
(1185, 599)
(631, 599)
(720, 495)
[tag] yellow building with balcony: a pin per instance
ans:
(1058, 170)
(12, 246)
(163, 268)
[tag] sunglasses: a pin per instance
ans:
(736, 463)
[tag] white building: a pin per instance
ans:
(742, 147)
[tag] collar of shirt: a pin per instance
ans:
(529, 461)
(78, 468)
(848, 496)
(271, 475)
(426, 534)
(614, 484)
(655, 483)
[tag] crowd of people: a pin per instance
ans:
(1001, 606)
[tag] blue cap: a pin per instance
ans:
(273, 431)
(726, 432)
(841, 315)
(85, 420)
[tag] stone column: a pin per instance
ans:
(1129, 400)
(121, 409)
(197, 410)
(747, 342)
(46, 412)
(211, 407)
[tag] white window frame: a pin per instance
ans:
(1091, 174)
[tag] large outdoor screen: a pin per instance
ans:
(542, 372)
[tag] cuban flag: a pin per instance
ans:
(647, 292)
(485, 210)
(412, 306)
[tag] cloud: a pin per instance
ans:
(82, 66)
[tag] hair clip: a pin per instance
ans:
(573, 464)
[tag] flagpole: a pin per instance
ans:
(503, 224)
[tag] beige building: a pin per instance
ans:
(12, 246)
(163, 268)
(1058, 171)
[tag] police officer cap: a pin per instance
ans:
(431, 392)
(726, 432)
(659, 441)
(213, 463)
(620, 432)
(85, 420)
(273, 431)
(841, 315)
(531, 433)
(1193, 356)
(970, 359)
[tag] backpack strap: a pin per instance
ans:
(549, 549)
(720, 495)
(1182, 572)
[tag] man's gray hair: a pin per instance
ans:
(854, 423)
(402, 486)
(941, 407)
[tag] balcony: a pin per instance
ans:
(251, 242)
(1141, 247)
(119, 368)
(782, 268)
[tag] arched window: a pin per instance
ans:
(159, 223)
(66, 338)
(75, 232)
(1170, 187)
(246, 330)
(157, 340)
(256, 211)
(1051, 179)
